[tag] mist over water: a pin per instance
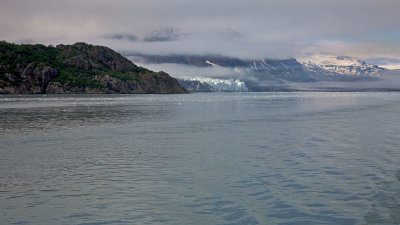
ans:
(210, 158)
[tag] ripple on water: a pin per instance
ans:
(250, 158)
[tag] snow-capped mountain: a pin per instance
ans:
(338, 65)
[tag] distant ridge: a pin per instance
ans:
(322, 64)
(264, 74)
(78, 68)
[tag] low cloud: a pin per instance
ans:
(128, 37)
(163, 34)
(230, 34)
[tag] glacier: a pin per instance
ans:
(206, 84)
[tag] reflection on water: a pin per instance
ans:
(64, 112)
(81, 116)
(227, 158)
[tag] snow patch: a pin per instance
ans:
(213, 64)
(265, 63)
(255, 66)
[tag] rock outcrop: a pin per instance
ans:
(78, 68)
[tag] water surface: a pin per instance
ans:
(211, 158)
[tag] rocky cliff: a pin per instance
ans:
(78, 68)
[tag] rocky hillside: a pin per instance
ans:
(78, 68)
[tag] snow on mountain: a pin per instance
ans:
(338, 65)
(210, 63)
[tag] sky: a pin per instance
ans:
(366, 29)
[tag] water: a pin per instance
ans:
(217, 158)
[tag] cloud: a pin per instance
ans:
(230, 34)
(387, 63)
(270, 28)
(163, 34)
(129, 37)
(363, 50)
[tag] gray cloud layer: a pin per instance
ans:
(163, 34)
(278, 28)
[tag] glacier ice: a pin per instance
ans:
(213, 84)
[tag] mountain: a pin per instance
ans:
(278, 66)
(192, 60)
(322, 64)
(264, 74)
(259, 74)
(78, 68)
(339, 65)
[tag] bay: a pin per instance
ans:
(207, 158)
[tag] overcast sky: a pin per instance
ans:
(246, 28)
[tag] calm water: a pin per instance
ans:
(227, 158)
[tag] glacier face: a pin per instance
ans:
(338, 65)
(205, 84)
